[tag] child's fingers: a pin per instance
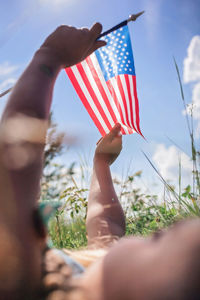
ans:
(95, 30)
(115, 131)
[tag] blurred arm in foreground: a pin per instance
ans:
(25, 118)
(22, 139)
(164, 266)
(105, 217)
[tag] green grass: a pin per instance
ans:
(144, 213)
(147, 219)
(68, 234)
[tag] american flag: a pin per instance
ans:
(106, 84)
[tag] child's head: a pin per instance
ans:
(163, 266)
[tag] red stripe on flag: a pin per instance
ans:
(130, 100)
(112, 91)
(84, 100)
(93, 95)
(136, 105)
(101, 89)
(124, 102)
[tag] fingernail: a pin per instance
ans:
(119, 133)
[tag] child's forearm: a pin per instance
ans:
(22, 138)
(105, 216)
(24, 127)
(32, 93)
(102, 189)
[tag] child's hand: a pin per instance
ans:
(71, 45)
(110, 146)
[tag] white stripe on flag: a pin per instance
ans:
(123, 81)
(89, 98)
(105, 87)
(97, 92)
(133, 101)
(119, 98)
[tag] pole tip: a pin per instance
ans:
(135, 16)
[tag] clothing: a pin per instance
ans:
(77, 268)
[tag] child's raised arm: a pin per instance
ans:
(105, 217)
(22, 139)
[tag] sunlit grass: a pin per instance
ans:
(144, 213)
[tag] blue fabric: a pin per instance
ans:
(116, 58)
(47, 209)
(77, 269)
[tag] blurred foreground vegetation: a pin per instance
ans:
(143, 216)
(144, 213)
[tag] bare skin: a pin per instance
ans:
(105, 218)
(134, 268)
(154, 268)
(22, 140)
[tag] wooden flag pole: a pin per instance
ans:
(124, 23)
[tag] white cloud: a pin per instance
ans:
(167, 163)
(191, 70)
(196, 101)
(7, 78)
(8, 83)
(7, 69)
(196, 107)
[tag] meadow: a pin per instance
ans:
(144, 213)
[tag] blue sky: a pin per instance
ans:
(165, 30)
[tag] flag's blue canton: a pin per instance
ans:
(116, 57)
